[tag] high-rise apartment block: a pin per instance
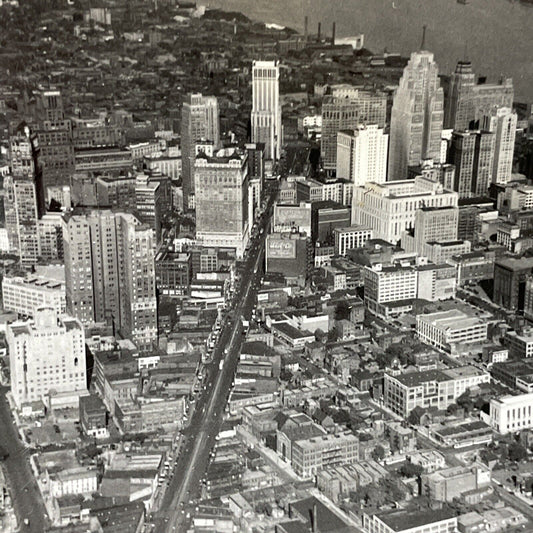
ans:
(199, 122)
(362, 155)
(266, 107)
(502, 122)
(110, 273)
(468, 100)
(347, 110)
(417, 116)
(472, 154)
(390, 208)
(222, 202)
(46, 355)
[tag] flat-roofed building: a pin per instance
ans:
(431, 388)
(351, 237)
(448, 329)
(520, 343)
(390, 208)
(310, 456)
(409, 521)
(25, 295)
(511, 413)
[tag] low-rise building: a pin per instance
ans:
(93, 416)
(449, 330)
(309, 456)
(431, 388)
(511, 413)
(520, 343)
(351, 237)
(410, 521)
(25, 295)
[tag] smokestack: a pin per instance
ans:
(318, 35)
(315, 519)
(306, 23)
(333, 35)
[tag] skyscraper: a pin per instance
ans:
(46, 354)
(472, 154)
(199, 122)
(345, 109)
(467, 100)
(110, 273)
(266, 108)
(362, 155)
(417, 115)
(222, 202)
(502, 122)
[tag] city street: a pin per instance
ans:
(24, 491)
(200, 435)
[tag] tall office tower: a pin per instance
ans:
(149, 203)
(46, 354)
(49, 105)
(416, 119)
(390, 208)
(435, 224)
(222, 202)
(24, 159)
(467, 100)
(54, 133)
(50, 235)
(266, 108)
(345, 110)
(110, 273)
(362, 155)
(502, 122)
(199, 121)
(20, 206)
(472, 154)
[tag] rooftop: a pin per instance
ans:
(408, 519)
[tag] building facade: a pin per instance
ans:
(390, 208)
(110, 274)
(199, 121)
(362, 155)
(46, 355)
(472, 154)
(266, 107)
(502, 122)
(221, 196)
(417, 116)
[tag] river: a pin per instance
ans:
(496, 34)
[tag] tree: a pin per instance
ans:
(342, 311)
(517, 452)
(452, 409)
(319, 335)
(410, 470)
(333, 334)
(378, 453)
(465, 401)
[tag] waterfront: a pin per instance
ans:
(497, 34)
